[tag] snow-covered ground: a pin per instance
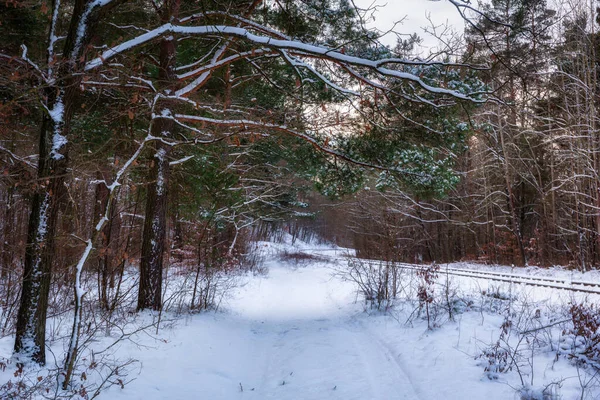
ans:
(301, 332)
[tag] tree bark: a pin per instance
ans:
(60, 97)
(31, 318)
(155, 225)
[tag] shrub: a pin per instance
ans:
(378, 282)
(585, 334)
(425, 290)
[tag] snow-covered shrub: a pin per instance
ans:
(450, 299)
(525, 334)
(211, 268)
(582, 341)
(549, 392)
(435, 296)
(92, 377)
(497, 358)
(496, 292)
(379, 282)
(200, 287)
(252, 259)
(299, 258)
(495, 299)
(425, 291)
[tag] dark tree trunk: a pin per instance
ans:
(155, 225)
(8, 230)
(176, 222)
(59, 100)
(105, 256)
(31, 318)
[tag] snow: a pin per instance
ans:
(58, 141)
(79, 293)
(302, 332)
(286, 336)
(298, 333)
(146, 81)
(181, 160)
(79, 290)
(28, 343)
(298, 63)
(43, 226)
(116, 183)
(57, 113)
(101, 223)
(205, 75)
(52, 37)
(160, 178)
(83, 24)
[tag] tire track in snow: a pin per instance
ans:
(401, 386)
(310, 359)
(390, 354)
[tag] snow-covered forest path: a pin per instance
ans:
(308, 343)
(298, 333)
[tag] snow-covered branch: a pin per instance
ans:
(378, 66)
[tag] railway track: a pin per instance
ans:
(582, 286)
(554, 283)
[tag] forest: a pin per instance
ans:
(141, 139)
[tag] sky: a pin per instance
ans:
(414, 13)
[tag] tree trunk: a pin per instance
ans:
(31, 318)
(515, 224)
(59, 100)
(8, 230)
(105, 253)
(155, 225)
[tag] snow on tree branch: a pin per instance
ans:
(377, 66)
